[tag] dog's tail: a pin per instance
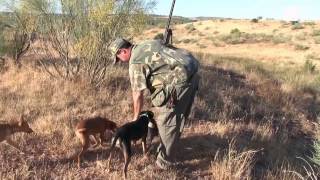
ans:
(114, 140)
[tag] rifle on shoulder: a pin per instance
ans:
(168, 32)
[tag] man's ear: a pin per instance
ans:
(122, 51)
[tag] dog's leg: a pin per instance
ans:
(144, 146)
(103, 138)
(110, 156)
(109, 160)
(126, 149)
(85, 145)
(13, 144)
(93, 138)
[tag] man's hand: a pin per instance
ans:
(137, 97)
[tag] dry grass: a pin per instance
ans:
(233, 165)
(255, 113)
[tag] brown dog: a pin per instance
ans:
(93, 126)
(8, 129)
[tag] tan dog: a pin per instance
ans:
(8, 129)
(92, 126)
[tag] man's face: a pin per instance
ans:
(124, 54)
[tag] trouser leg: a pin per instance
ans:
(171, 121)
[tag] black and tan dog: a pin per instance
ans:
(132, 131)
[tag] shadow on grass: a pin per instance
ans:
(225, 95)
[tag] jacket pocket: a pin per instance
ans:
(159, 97)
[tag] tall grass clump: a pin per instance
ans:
(190, 27)
(233, 165)
(309, 66)
(316, 155)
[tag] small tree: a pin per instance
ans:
(77, 38)
(16, 29)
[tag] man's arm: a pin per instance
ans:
(137, 97)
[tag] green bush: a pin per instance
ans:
(235, 31)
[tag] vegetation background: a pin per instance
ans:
(256, 115)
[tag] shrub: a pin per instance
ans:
(310, 23)
(281, 38)
(301, 36)
(201, 34)
(317, 40)
(202, 46)
(255, 20)
(79, 35)
(235, 31)
(294, 22)
(309, 66)
(316, 32)
(301, 47)
(190, 27)
(297, 26)
(186, 41)
(313, 56)
(316, 155)
(158, 36)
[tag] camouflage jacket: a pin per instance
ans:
(157, 67)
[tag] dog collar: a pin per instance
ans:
(144, 115)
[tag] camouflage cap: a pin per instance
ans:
(115, 46)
